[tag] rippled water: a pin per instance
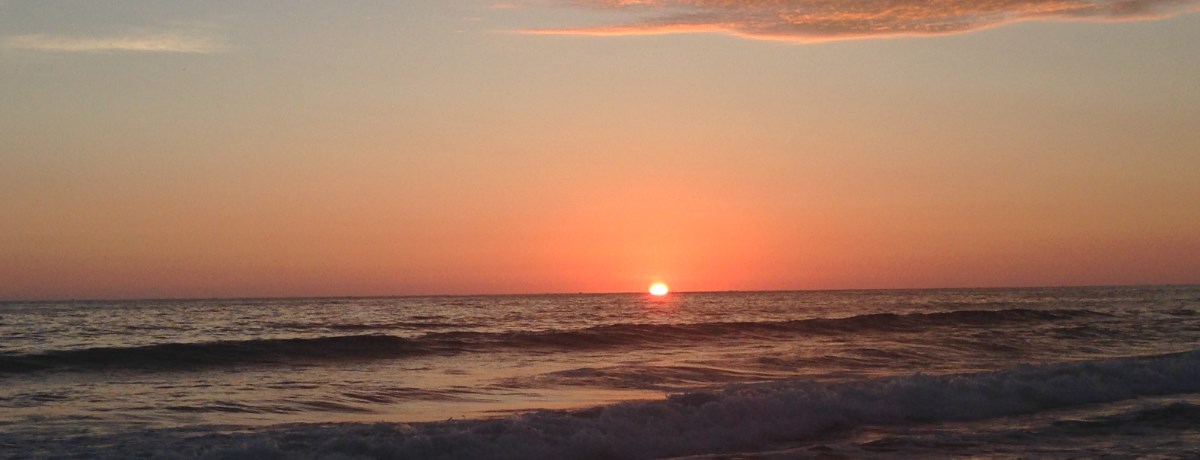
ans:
(780, 374)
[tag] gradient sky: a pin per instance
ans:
(210, 149)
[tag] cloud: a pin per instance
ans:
(824, 20)
(168, 42)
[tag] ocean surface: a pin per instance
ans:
(1070, 372)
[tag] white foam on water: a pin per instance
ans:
(739, 417)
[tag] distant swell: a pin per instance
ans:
(188, 355)
(735, 418)
(674, 334)
(174, 356)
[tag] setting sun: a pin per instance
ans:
(659, 289)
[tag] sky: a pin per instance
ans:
(310, 148)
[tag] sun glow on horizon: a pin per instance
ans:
(659, 289)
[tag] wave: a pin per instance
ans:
(732, 419)
(174, 356)
(1146, 427)
(651, 334)
(1168, 416)
(188, 355)
(404, 325)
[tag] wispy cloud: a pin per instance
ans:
(823, 20)
(138, 42)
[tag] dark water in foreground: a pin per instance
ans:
(994, 372)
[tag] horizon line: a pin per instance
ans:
(533, 294)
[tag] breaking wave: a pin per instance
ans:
(175, 356)
(728, 420)
(187, 355)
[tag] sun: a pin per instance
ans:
(659, 289)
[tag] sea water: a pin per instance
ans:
(1028, 372)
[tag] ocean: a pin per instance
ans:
(1037, 372)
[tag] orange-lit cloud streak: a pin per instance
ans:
(826, 20)
(161, 42)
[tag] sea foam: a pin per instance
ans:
(726, 420)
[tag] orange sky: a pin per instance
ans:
(374, 149)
